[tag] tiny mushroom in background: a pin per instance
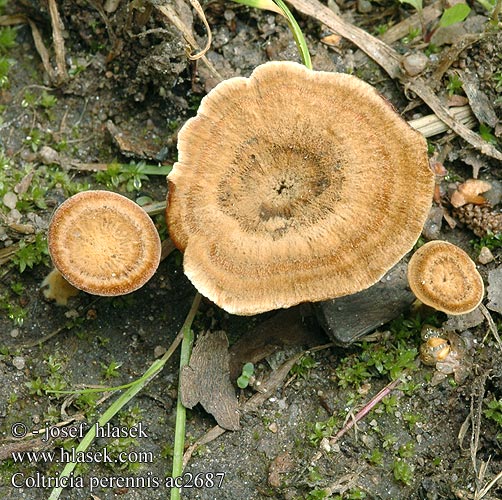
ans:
(103, 243)
(444, 277)
(295, 185)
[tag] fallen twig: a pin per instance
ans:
(365, 410)
(59, 48)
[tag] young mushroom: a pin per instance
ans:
(103, 243)
(295, 185)
(444, 277)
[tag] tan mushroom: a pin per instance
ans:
(295, 185)
(103, 243)
(443, 276)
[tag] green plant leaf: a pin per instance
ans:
(414, 3)
(455, 14)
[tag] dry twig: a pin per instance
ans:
(59, 49)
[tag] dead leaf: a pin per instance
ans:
(206, 380)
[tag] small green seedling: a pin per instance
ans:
(454, 84)
(247, 373)
(494, 411)
(455, 14)
(131, 175)
(486, 133)
(403, 472)
(33, 253)
(302, 367)
(111, 370)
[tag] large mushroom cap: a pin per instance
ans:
(444, 277)
(103, 243)
(295, 185)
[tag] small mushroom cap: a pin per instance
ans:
(295, 185)
(444, 277)
(103, 243)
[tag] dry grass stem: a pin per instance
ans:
(57, 38)
(401, 29)
(173, 18)
(42, 50)
(197, 7)
(492, 327)
(431, 125)
(365, 410)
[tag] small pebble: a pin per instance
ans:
(364, 6)
(273, 427)
(72, 314)
(19, 362)
(485, 256)
(10, 200)
(49, 156)
(414, 64)
(14, 333)
(324, 445)
(159, 351)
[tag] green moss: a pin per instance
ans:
(402, 471)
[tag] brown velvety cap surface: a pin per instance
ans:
(103, 243)
(444, 277)
(294, 185)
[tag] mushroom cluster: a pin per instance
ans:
(103, 243)
(295, 185)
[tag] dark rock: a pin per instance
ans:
(346, 319)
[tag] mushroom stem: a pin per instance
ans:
(57, 288)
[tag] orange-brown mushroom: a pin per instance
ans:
(103, 243)
(443, 276)
(295, 185)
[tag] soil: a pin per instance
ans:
(128, 72)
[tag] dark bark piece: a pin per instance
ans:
(206, 380)
(346, 319)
